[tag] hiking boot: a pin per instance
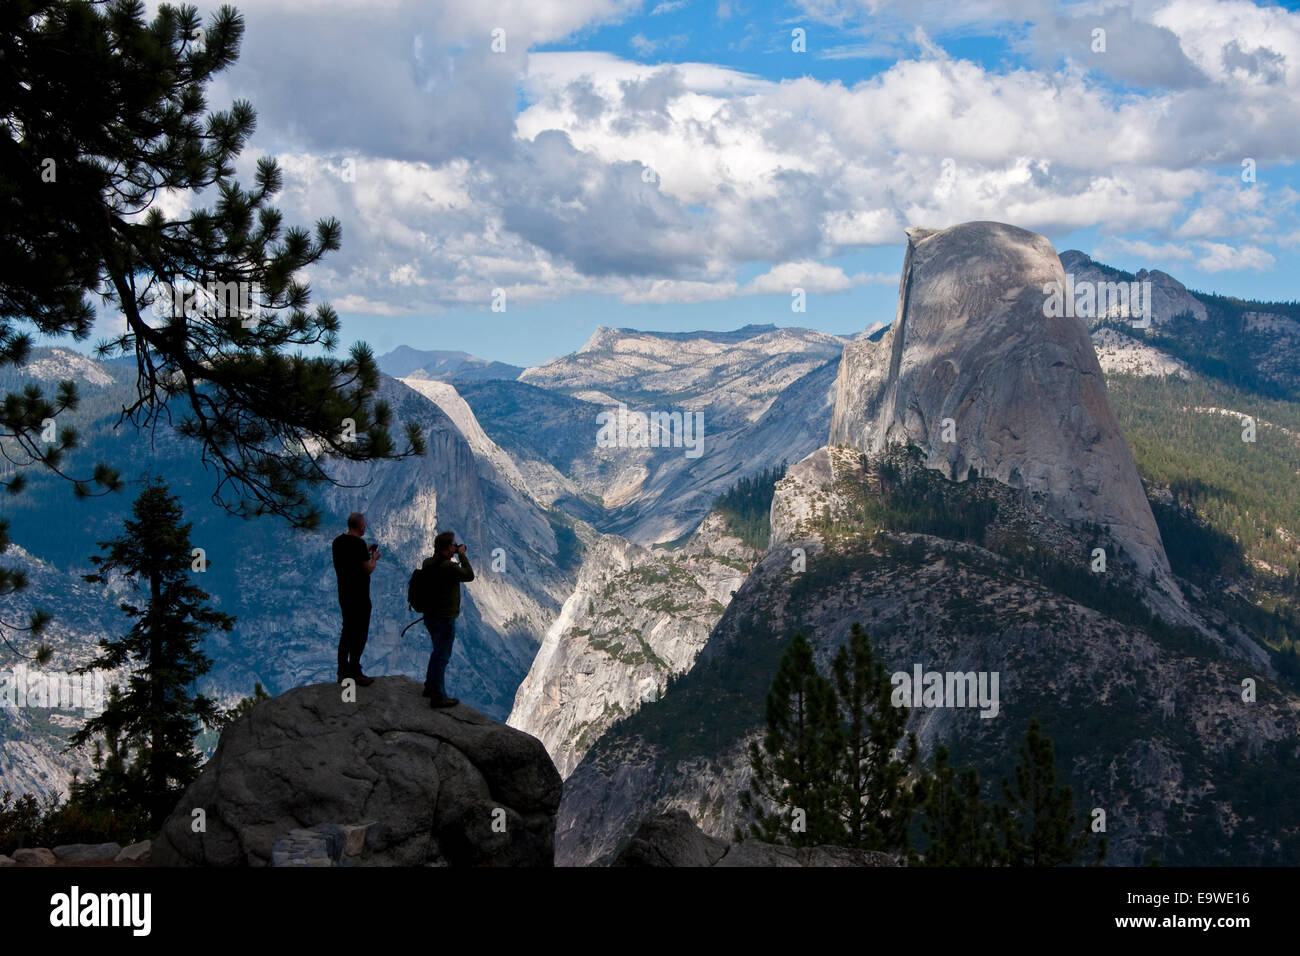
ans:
(426, 693)
(439, 702)
(363, 681)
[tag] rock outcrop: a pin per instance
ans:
(442, 787)
(977, 373)
(1122, 354)
(672, 839)
(136, 853)
(1169, 297)
(72, 854)
(34, 856)
(637, 616)
(326, 844)
(81, 854)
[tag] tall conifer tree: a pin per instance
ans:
(1038, 822)
(795, 768)
(876, 798)
(957, 823)
(157, 714)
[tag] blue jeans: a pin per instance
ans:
(442, 631)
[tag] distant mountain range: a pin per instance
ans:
(604, 569)
(406, 362)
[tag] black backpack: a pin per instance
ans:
(415, 591)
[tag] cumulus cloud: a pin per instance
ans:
(1220, 257)
(457, 170)
(807, 275)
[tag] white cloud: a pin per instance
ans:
(862, 227)
(807, 275)
(1235, 43)
(678, 291)
(1220, 257)
(658, 183)
(1150, 251)
(642, 45)
(360, 305)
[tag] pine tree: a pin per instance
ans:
(876, 803)
(795, 768)
(957, 823)
(101, 113)
(118, 783)
(157, 714)
(1037, 823)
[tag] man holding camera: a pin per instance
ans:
(354, 562)
(442, 579)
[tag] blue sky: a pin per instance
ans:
(678, 165)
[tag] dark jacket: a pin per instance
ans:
(350, 556)
(442, 580)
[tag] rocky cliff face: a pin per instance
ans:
(1149, 722)
(637, 616)
(975, 374)
(1169, 297)
(764, 395)
(437, 787)
(1121, 354)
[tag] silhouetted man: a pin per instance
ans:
(353, 564)
(442, 580)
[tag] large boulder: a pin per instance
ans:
(136, 853)
(34, 856)
(441, 787)
(71, 853)
(671, 839)
(975, 341)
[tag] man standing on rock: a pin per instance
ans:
(353, 564)
(442, 578)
